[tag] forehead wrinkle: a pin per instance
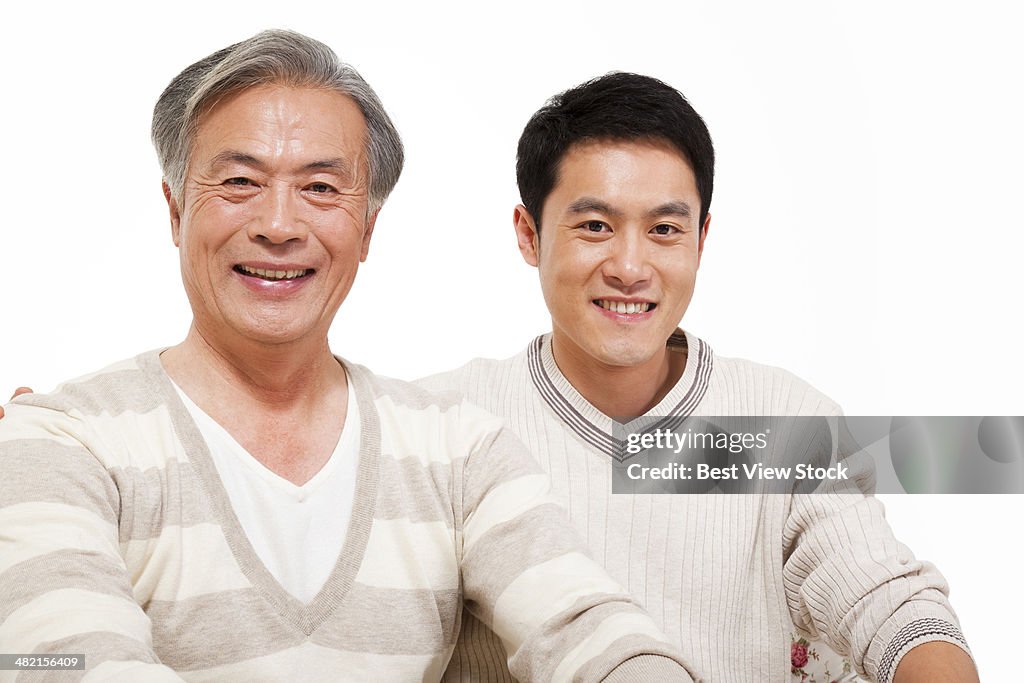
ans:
(284, 129)
(336, 165)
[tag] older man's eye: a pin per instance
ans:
(321, 188)
(240, 182)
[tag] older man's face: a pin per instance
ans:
(273, 222)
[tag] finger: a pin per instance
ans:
(17, 392)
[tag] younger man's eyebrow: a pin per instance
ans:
(680, 209)
(590, 204)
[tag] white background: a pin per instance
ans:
(866, 232)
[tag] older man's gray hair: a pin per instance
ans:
(283, 57)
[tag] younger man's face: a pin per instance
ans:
(618, 250)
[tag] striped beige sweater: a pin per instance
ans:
(117, 540)
(728, 577)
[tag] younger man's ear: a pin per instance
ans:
(172, 207)
(703, 236)
(526, 235)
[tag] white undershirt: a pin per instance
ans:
(297, 531)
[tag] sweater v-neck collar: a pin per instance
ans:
(598, 429)
(305, 617)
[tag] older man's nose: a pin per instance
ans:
(278, 219)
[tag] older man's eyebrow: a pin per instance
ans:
(230, 156)
(592, 205)
(336, 165)
(678, 209)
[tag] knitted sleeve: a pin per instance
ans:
(527, 577)
(64, 588)
(850, 581)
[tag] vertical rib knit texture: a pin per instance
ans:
(725, 576)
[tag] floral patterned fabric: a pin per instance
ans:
(815, 662)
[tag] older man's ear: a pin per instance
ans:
(17, 392)
(175, 214)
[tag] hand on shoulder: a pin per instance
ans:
(17, 392)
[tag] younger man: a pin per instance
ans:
(616, 180)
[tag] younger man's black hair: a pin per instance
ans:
(618, 106)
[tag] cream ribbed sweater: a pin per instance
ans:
(726, 576)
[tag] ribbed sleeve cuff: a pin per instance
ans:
(914, 623)
(648, 668)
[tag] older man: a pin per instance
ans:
(246, 506)
(616, 179)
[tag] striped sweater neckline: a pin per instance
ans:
(307, 617)
(596, 428)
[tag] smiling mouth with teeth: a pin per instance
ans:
(265, 274)
(624, 307)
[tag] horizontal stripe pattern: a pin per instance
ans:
(117, 670)
(62, 569)
(204, 562)
(431, 543)
(214, 629)
(504, 503)
(312, 663)
(55, 472)
(158, 497)
(119, 541)
(113, 393)
(409, 490)
(31, 530)
(548, 589)
(34, 622)
(533, 538)
(25, 424)
(105, 646)
(383, 621)
(607, 632)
